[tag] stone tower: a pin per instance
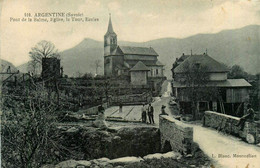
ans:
(110, 39)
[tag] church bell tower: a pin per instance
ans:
(110, 39)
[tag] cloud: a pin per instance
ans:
(114, 5)
(90, 6)
(229, 15)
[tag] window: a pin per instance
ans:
(157, 71)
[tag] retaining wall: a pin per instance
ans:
(92, 110)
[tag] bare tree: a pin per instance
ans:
(43, 49)
(33, 66)
(78, 74)
(196, 79)
(97, 65)
(27, 132)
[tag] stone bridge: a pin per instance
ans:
(176, 135)
(227, 124)
(187, 138)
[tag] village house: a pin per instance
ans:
(134, 63)
(233, 94)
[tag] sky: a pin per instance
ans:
(133, 20)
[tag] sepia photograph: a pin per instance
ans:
(130, 83)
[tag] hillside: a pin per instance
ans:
(238, 46)
(5, 65)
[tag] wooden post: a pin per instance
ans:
(232, 108)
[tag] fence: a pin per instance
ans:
(133, 99)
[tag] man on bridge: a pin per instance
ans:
(249, 116)
(150, 114)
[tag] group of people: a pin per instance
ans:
(148, 111)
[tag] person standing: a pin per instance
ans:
(249, 116)
(143, 113)
(150, 114)
(120, 107)
(163, 110)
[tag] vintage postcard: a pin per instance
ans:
(130, 83)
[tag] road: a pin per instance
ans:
(215, 144)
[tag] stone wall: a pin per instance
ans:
(138, 77)
(227, 124)
(92, 110)
(131, 99)
(177, 134)
(90, 143)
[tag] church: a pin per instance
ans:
(139, 64)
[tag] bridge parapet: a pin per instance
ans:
(226, 123)
(176, 135)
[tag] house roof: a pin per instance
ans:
(183, 57)
(138, 50)
(204, 60)
(158, 63)
(140, 67)
(229, 83)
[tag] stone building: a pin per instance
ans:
(51, 68)
(119, 60)
(233, 94)
(139, 74)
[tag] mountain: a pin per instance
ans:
(82, 57)
(23, 68)
(237, 46)
(5, 64)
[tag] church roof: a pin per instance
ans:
(110, 29)
(146, 62)
(138, 50)
(204, 60)
(140, 67)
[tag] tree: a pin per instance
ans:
(97, 65)
(28, 134)
(237, 72)
(107, 89)
(78, 74)
(33, 66)
(87, 76)
(43, 49)
(196, 79)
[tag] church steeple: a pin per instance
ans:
(110, 39)
(110, 29)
